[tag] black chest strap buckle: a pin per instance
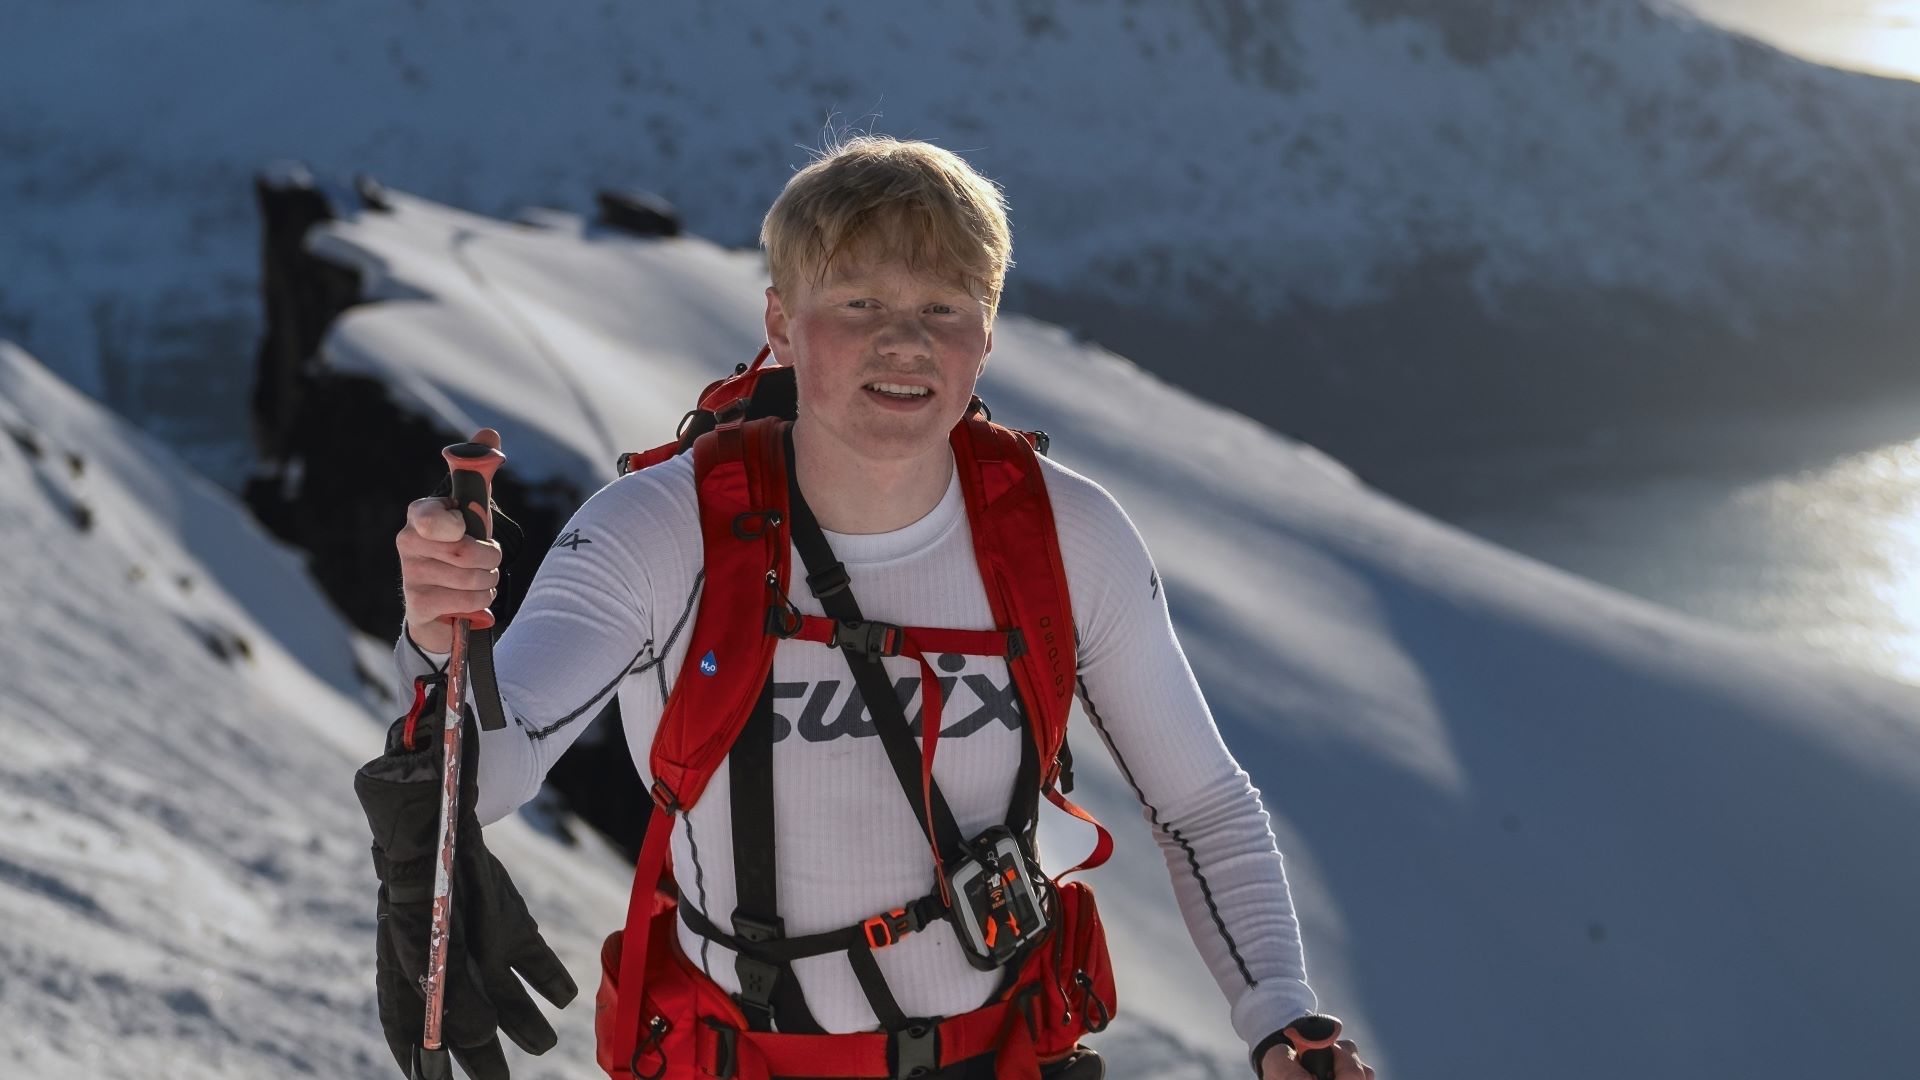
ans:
(869, 638)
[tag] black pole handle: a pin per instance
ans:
(1313, 1038)
(470, 469)
(472, 466)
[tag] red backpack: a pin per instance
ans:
(658, 1016)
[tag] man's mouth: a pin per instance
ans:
(898, 390)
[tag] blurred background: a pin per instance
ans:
(1627, 287)
(1625, 290)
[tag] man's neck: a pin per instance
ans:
(852, 494)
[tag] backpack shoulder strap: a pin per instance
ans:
(739, 471)
(1017, 547)
(740, 474)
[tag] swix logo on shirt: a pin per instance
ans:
(832, 708)
(571, 539)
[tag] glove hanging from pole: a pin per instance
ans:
(492, 935)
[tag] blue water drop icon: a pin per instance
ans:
(708, 665)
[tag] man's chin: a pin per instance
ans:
(895, 437)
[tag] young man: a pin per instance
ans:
(887, 261)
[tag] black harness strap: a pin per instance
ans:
(768, 989)
(828, 579)
(875, 686)
(877, 932)
(770, 994)
(874, 985)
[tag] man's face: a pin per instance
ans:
(885, 359)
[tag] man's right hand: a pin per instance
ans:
(444, 572)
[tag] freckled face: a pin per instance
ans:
(885, 359)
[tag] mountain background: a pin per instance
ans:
(1384, 230)
(1392, 227)
(1517, 808)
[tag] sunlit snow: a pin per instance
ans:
(1511, 802)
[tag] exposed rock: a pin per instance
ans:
(640, 213)
(340, 461)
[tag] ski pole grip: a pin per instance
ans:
(1313, 1038)
(471, 466)
(430, 1065)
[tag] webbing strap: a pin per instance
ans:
(486, 686)
(996, 1029)
(1103, 843)
(912, 766)
(885, 639)
(864, 642)
(872, 983)
(769, 992)
(914, 771)
(917, 642)
(633, 942)
(877, 932)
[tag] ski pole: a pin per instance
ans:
(471, 466)
(1313, 1038)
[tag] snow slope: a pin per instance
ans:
(184, 880)
(1509, 798)
(1600, 166)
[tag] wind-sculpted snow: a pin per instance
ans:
(184, 877)
(1565, 170)
(1507, 797)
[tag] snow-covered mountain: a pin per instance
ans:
(1535, 828)
(1365, 221)
(184, 881)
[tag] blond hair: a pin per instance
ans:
(876, 196)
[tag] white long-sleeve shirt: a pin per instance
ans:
(612, 607)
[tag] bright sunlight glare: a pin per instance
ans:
(1881, 36)
(1861, 512)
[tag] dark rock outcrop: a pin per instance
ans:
(637, 213)
(340, 460)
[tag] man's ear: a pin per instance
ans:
(778, 333)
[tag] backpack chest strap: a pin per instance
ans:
(867, 641)
(875, 639)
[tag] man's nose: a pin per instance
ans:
(904, 336)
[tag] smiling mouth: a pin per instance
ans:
(900, 391)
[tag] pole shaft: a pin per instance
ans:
(472, 466)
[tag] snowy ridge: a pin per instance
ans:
(1495, 784)
(1498, 788)
(183, 868)
(1209, 159)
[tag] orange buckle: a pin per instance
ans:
(884, 930)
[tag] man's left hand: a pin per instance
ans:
(1279, 1064)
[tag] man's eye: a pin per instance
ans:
(857, 303)
(944, 309)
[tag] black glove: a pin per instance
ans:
(492, 935)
